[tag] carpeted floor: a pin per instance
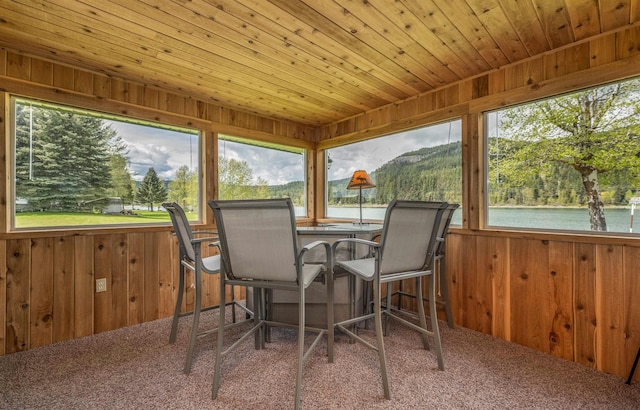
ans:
(136, 368)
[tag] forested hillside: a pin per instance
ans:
(428, 174)
(433, 173)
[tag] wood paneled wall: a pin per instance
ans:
(573, 299)
(604, 58)
(48, 293)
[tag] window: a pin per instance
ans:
(74, 167)
(569, 163)
(420, 164)
(255, 170)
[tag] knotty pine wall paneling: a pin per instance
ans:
(578, 300)
(63, 288)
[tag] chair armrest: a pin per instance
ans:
(357, 240)
(197, 242)
(327, 249)
(314, 244)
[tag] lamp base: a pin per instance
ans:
(361, 223)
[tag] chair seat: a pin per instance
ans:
(211, 264)
(365, 268)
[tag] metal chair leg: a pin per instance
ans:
(301, 321)
(379, 336)
(633, 368)
(176, 313)
(233, 304)
(196, 322)
(387, 319)
(434, 321)
(220, 342)
(421, 314)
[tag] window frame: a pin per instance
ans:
(324, 172)
(225, 136)
(485, 149)
(143, 117)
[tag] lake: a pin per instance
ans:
(577, 219)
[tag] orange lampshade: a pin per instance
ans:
(360, 179)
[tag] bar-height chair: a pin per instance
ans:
(440, 255)
(191, 258)
(405, 251)
(259, 248)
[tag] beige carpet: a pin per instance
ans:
(136, 368)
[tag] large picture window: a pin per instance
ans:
(568, 163)
(258, 170)
(420, 164)
(75, 167)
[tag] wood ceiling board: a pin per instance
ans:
(311, 62)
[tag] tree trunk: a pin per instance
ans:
(596, 207)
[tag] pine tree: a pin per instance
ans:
(151, 189)
(62, 162)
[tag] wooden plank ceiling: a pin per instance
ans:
(309, 61)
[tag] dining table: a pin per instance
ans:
(348, 297)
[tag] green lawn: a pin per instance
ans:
(46, 219)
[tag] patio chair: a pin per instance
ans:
(443, 293)
(633, 367)
(191, 258)
(259, 249)
(405, 251)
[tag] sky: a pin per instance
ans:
(164, 150)
(167, 150)
(371, 154)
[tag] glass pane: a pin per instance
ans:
(252, 170)
(421, 164)
(75, 167)
(569, 163)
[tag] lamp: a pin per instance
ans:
(360, 180)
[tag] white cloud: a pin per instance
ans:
(167, 151)
(164, 150)
(370, 155)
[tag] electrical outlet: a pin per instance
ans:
(101, 285)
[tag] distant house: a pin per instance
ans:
(106, 205)
(22, 205)
(112, 205)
